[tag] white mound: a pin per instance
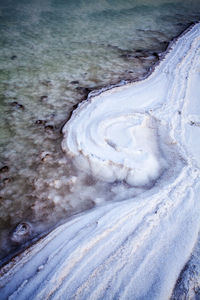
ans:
(118, 147)
(133, 249)
(115, 135)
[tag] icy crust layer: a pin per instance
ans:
(133, 249)
(114, 137)
(118, 147)
(124, 133)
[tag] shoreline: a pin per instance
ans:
(88, 213)
(91, 94)
(98, 91)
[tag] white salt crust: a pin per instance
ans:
(133, 249)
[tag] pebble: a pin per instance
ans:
(74, 82)
(49, 128)
(45, 156)
(43, 98)
(17, 105)
(4, 169)
(6, 180)
(40, 122)
(21, 232)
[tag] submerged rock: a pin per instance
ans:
(49, 128)
(17, 105)
(74, 82)
(45, 156)
(7, 180)
(40, 122)
(43, 98)
(21, 233)
(84, 90)
(13, 57)
(4, 169)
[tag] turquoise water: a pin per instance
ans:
(52, 53)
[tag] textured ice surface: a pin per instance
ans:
(51, 54)
(133, 249)
(114, 138)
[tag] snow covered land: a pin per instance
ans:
(146, 134)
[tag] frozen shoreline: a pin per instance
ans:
(138, 246)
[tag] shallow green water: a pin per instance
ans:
(51, 54)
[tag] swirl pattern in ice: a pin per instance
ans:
(118, 135)
(116, 146)
(142, 133)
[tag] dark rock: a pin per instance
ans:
(40, 122)
(84, 90)
(13, 57)
(75, 106)
(139, 51)
(6, 180)
(17, 105)
(45, 156)
(43, 98)
(156, 55)
(4, 169)
(49, 128)
(21, 233)
(74, 82)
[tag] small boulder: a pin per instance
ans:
(21, 233)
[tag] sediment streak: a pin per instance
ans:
(146, 134)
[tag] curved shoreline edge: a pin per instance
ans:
(138, 246)
(117, 118)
